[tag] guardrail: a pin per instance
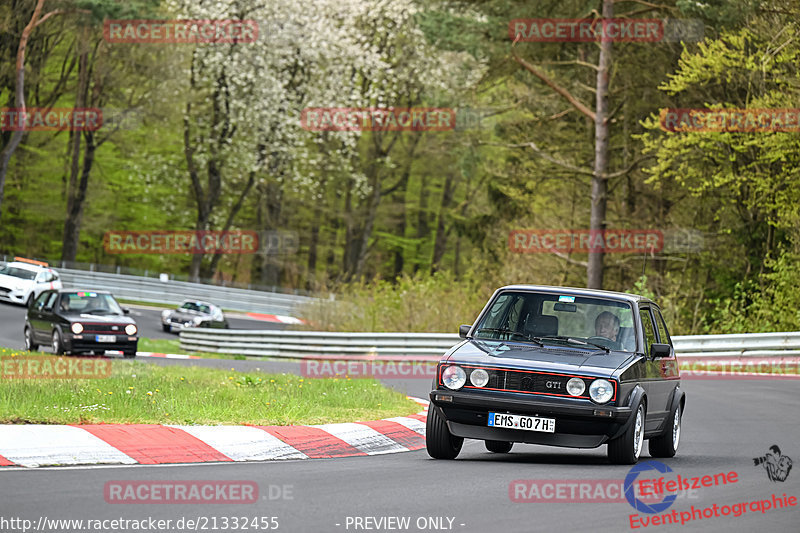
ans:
(304, 344)
(174, 292)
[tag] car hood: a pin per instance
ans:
(13, 282)
(550, 358)
(100, 319)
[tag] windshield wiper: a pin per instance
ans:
(573, 341)
(511, 332)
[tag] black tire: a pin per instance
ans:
(498, 446)
(166, 328)
(667, 444)
(30, 343)
(626, 449)
(58, 343)
(441, 444)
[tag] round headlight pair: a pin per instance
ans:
(601, 391)
(77, 328)
(454, 377)
(130, 329)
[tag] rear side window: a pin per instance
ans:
(649, 331)
(663, 334)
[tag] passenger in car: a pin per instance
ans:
(607, 325)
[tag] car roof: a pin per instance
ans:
(628, 297)
(73, 289)
(27, 266)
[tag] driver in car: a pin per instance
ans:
(607, 325)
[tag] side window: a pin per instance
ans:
(663, 334)
(48, 306)
(42, 298)
(649, 331)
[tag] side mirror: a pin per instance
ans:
(463, 330)
(126, 310)
(660, 350)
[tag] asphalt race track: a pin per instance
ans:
(12, 319)
(726, 425)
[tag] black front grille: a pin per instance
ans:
(530, 382)
(104, 328)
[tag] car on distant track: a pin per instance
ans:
(22, 280)
(75, 321)
(193, 314)
(563, 367)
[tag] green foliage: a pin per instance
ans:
(420, 303)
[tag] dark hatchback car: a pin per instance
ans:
(193, 314)
(75, 321)
(563, 367)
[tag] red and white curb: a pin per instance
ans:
(48, 445)
(167, 355)
(282, 319)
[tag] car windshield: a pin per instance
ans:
(196, 307)
(89, 303)
(561, 319)
(16, 272)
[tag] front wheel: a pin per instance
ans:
(667, 444)
(499, 446)
(625, 449)
(441, 444)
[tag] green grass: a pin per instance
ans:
(140, 393)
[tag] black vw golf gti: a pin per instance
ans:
(562, 367)
(74, 321)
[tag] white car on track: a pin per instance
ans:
(22, 280)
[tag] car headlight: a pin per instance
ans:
(601, 390)
(454, 377)
(479, 377)
(77, 328)
(130, 329)
(576, 386)
(197, 320)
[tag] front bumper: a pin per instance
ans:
(578, 424)
(88, 342)
(13, 296)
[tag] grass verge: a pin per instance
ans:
(139, 393)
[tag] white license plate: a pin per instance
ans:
(106, 338)
(528, 423)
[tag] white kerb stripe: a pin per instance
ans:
(244, 443)
(38, 445)
(288, 319)
(411, 423)
(363, 438)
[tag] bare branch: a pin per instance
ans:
(577, 104)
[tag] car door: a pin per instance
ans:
(40, 283)
(653, 381)
(38, 316)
